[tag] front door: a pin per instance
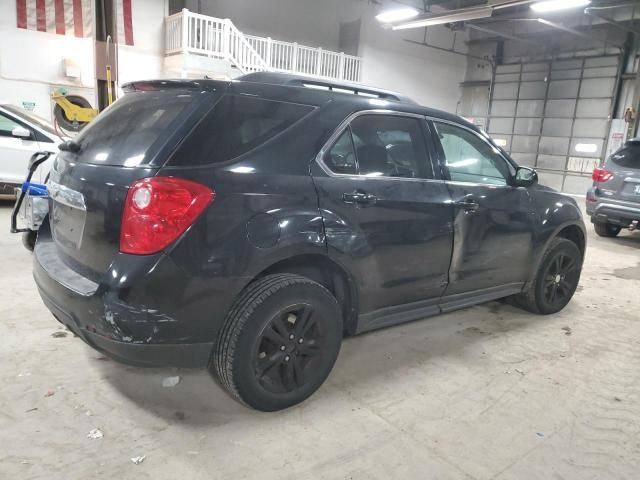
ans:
(493, 221)
(15, 152)
(387, 217)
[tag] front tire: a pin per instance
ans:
(556, 279)
(606, 229)
(279, 342)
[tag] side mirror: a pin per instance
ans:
(525, 177)
(21, 132)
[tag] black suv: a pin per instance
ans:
(249, 225)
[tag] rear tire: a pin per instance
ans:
(279, 342)
(606, 229)
(556, 279)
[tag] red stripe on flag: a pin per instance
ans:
(60, 25)
(21, 10)
(77, 18)
(128, 22)
(41, 16)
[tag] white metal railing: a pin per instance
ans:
(193, 33)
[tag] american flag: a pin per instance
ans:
(71, 17)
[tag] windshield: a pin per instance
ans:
(32, 118)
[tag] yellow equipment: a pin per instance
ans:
(72, 112)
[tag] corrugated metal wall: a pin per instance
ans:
(554, 116)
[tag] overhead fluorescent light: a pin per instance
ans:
(397, 15)
(501, 142)
(556, 5)
(447, 17)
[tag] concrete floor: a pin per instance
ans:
(487, 392)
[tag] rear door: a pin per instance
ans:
(387, 215)
(493, 221)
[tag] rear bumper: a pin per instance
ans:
(137, 354)
(615, 213)
(106, 318)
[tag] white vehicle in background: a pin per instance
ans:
(21, 135)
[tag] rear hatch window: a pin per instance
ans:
(627, 157)
(134, 129)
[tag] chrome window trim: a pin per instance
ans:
(482, 138)
(344, 125)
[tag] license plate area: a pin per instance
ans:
(68, 216)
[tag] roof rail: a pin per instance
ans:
(320, 84)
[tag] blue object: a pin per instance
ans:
(35, 189)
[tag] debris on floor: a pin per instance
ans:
(170, 381)
(31, 410)
(138, 460)
(50, 393)
(95, 433)
(567, 330)
(59, 334)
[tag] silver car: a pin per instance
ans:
(614, 200)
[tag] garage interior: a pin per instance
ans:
(486, 392)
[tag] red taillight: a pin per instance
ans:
(601, 175)
(158, 210)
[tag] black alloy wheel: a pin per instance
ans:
(555, 280)
(560, 280)
(289, 349)
(279, 342)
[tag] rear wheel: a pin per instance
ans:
(556, 280)
(606, 229)
(279, 342)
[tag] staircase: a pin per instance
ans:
(197, 44)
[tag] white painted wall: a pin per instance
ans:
(31, 63)
(143, 61)
(429, 76)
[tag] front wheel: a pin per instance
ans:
(556, 279)
(606, 229)
(279, 342)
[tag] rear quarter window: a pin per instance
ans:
(237, 125)
(627, 157)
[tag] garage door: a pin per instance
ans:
(554, 116)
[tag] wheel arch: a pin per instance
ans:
(570, 230)
(328, 273)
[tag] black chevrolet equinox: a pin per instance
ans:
(248, 226)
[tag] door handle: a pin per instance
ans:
(469, 206)
(359, 198)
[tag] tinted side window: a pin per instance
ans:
(341, 158)
(469, 158)
(390, 146)
(627, 157)
(238, 124)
